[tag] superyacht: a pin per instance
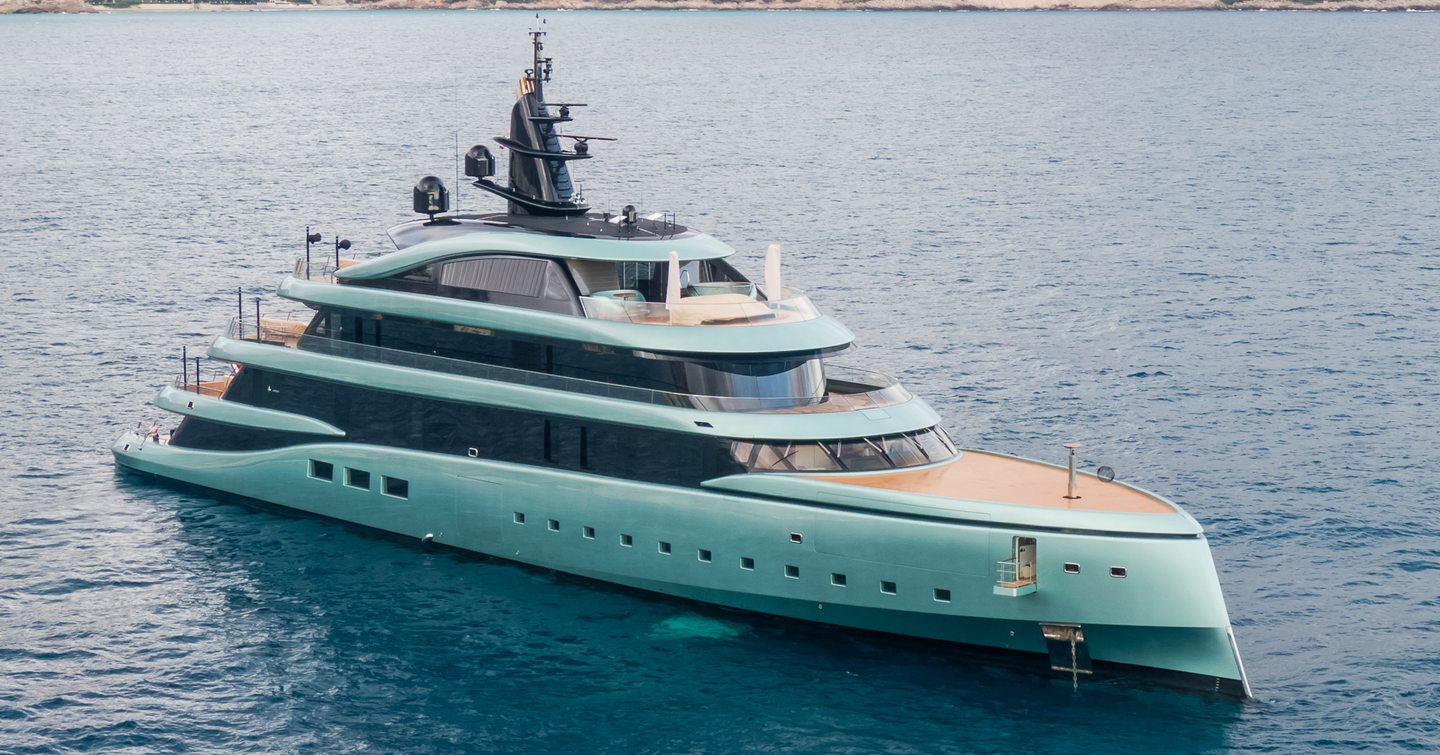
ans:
(604, 394)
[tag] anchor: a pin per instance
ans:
(1062, 637)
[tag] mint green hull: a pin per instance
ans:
(1167, 614)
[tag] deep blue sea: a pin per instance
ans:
(1206, 245)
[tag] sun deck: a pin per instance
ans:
(709, 304)
(981, 476)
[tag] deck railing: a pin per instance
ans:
(1007, 574)
(847, 388)
(210, 382)
(321, 268)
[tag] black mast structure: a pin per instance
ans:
(540, 182)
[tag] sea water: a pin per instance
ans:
(1205, 245)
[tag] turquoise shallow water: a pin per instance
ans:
(1205, 244)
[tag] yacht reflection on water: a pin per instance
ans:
(607, 396)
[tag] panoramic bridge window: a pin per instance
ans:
(848, 455)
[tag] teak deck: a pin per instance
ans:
(979, 476)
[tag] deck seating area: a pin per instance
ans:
(287, 332)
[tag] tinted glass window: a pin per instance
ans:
(649, 278)
(525, 282)
(587, 361)
(861, 454)
(507, 275)
(849, 455)
(428, 424)
(743, 452)
(904, 452)
(810, 457)
(935, 449)
(786, 379)
(772, 458)
(213, 436)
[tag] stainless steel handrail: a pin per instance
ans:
(1008, 573)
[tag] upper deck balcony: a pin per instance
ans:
(845, 388)
(730, 304)
(706, 292)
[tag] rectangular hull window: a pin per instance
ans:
(322, 470)
(357, 478)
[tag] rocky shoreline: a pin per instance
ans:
(81, 6)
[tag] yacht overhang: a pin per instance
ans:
(482, 238)
(910, 415)
(976, 504)
(818, 334)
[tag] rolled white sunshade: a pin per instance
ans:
(672, 282)
(773, 284)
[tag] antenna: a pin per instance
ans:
(539, 75)
(458, 99)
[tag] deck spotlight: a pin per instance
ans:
(629, 214)
(310, 238)
(339, 245)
